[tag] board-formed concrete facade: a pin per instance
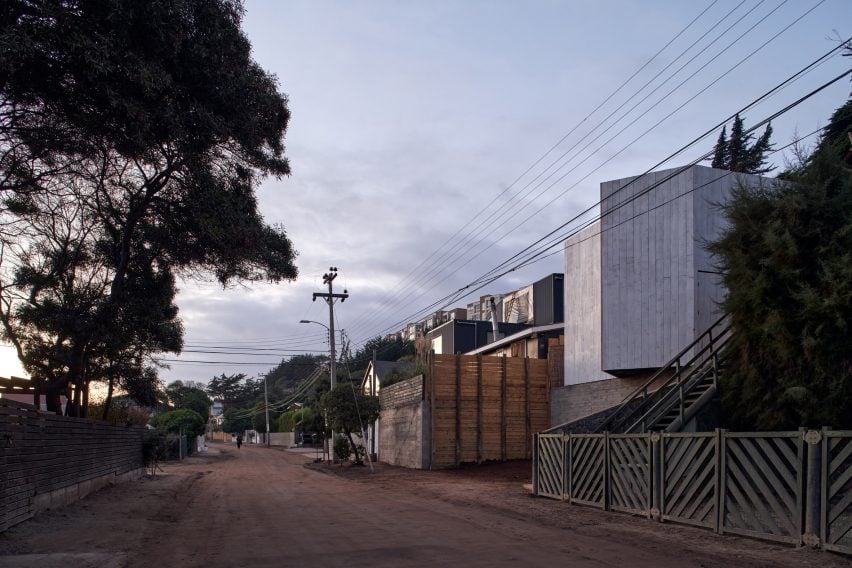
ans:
(659, 286)
(639, 284)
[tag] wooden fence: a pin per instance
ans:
(793, 487)
(485, 408)
(47, 461)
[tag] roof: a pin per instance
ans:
(384, 367)
(516, 336)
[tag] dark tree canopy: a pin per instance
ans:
(787, 264)
(132, 138)
(738, 154)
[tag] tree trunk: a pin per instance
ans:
(108, 400)
(358, 460)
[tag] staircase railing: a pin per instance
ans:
(658, 395)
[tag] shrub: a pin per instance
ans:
(342, 448)
(173, 421)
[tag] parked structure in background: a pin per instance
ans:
(639, 284)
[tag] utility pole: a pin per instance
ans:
(266, 407)
(328, 278)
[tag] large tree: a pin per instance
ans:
(786, 261)
(153, 120)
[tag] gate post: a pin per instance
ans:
(656, 509)
(535, 465)
(814, 441)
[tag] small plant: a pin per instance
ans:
(342, 448)
(153, 449)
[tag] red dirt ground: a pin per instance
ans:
(260, 507)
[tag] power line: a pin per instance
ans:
(468, 288)
(449, 267)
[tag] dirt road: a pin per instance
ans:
(259, 507)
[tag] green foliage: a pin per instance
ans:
(236, 390)
(347, 410)
(290, 373)
(403, 373)
(386, 349)
(259, 421)
(236, 421)
(173, 421)
(289, 420)
(737, 154)
(189, 395)
(134, 136)
(787, 264)
(342, 448)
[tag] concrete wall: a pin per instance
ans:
(285, 439)
(404, 436)
(583, 307)
(657, 288)
(404, 427)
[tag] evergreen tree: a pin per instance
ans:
(720, 151)
(786, 261)
(738, 154)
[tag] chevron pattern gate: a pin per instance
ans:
(784, 486)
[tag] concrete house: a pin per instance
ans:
(639, 284)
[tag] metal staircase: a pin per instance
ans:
(676, 393)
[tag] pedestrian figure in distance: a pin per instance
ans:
(239, 440)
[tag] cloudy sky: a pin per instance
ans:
(432, 141)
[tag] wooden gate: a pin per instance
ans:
(551, 465)
(587, 483)
(836, 498)
(689, 480)
(630, 473)
(762, 485)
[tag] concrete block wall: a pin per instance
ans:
(573, 402)
(409, 391)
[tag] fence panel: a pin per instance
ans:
(588, 473)
(689, 480)
(762, 485)
(836, 491)
(551, 471)
(630, 473)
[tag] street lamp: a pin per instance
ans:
(332, 368)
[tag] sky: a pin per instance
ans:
(432, 141)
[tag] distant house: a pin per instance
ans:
(462, 336)
(371, 384)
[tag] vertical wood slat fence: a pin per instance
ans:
(485, 408)
(48, 461)
(793, 487)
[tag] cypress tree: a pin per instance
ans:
(738, 154)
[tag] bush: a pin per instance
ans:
(173, 421)
(153, 449)
(342, 448)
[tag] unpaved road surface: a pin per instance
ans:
(259, 507)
